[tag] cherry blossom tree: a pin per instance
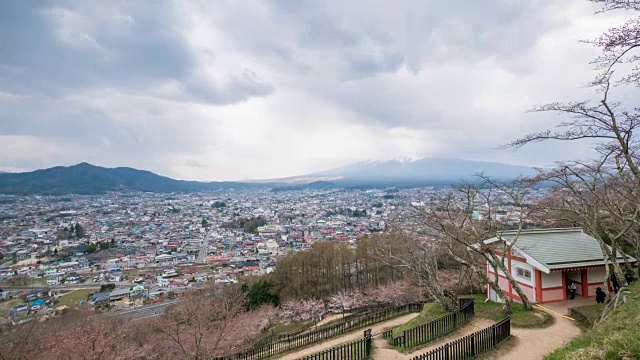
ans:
(303, 310)
(395, 293)
(350, 300)
(211, 323)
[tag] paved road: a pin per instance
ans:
(91, 285)
(202, 255)
(144, 311)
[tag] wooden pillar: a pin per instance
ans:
(511, 273)
(488, 287)
(539, 286)
(585, 282)
(564, 285)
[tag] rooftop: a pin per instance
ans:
(557, 248)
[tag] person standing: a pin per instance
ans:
(628, 275)
(572, 290)
(600, 296)
(614, 283)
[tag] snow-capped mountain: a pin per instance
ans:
(423, 169)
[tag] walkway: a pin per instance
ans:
(534, 344)
(384, 351)
(354, 335)
(530, 344)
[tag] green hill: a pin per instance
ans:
(616, 337)
(88, 179)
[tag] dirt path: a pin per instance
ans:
(473, 326)
(529, 344)
(384, 351)
(354, 335)
(330, 318)
(534, 344)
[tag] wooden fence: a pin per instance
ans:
(471, 345)
(282, 343)
(355, 350)
(309, 328)
(432, 330)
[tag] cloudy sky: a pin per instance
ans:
(218, 90)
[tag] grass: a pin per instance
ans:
(519, 316)
(615, 337)
(589, 315)
(282, 327)
(431, 311)
(6, 305)
(500, 350)
(72, 298)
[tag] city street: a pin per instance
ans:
(202, 254)
(145, 310)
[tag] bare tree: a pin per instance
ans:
(596, 197)
(469, 215)
(407, 250)
(602, 195)
(619, 45)
(20, 342)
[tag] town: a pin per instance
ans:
(150, 247)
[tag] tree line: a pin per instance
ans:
(328, 268)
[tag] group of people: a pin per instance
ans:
(601, 295)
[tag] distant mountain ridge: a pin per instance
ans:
(417, 171)
(89, 179)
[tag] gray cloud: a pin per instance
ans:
(234, 89)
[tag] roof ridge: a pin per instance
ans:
(541, 231)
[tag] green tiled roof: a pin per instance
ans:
(558, 248)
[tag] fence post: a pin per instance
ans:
(494, 334)
(446, 353)
(368, 343)
(473, 344)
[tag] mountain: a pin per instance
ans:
(422, 171)
(89, 179)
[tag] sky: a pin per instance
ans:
(232, 90)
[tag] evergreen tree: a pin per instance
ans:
(261, 292)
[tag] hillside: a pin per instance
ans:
(89, 179)
(616, 337)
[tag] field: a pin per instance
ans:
(72, 298)
(6, 305)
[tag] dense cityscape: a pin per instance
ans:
(152, 244)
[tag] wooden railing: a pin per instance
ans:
(432, 330)
(309, 327)
(471, 345)
(355, 350)
(283, 343)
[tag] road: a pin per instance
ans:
(202, 254)
(144, 311)
(91, 285)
